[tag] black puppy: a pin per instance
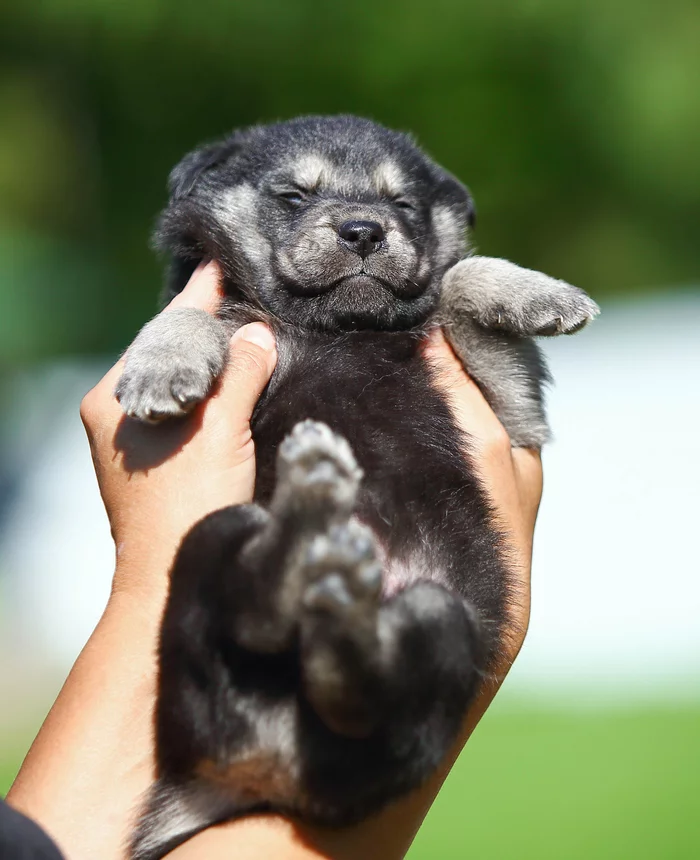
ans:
(320, 647)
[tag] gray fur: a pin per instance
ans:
(320, 646)
(172, 364)
(490, 310)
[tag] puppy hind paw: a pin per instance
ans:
(344, 574)
(340, 630)
(316, 469)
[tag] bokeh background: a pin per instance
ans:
(577, 127)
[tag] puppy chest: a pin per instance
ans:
(377, 394)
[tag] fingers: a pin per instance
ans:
(473, 413)
(203, 290)
(527, 464)
(252, 359)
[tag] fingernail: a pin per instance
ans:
(257, 333)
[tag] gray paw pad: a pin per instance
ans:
(565, 311)
(155, 396)
(343, 570)
(316, 465)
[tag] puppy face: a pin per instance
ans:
(331, 223)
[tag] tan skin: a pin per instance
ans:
(93, 758)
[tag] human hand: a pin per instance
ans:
(101, 725)
(156, 482)
(94, 757)
(511, 478)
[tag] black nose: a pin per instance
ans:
(362, 237)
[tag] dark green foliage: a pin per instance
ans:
(576, 125)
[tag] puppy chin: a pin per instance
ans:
(369, 285)
(362, 302)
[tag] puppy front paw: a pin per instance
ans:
(501, 296)
(564, 311)
(172, 365)
(153, 394)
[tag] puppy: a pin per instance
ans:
(320, 646)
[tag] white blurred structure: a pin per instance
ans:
(616, 609)
(616, 575)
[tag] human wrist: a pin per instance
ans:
(141, 579)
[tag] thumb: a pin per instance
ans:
(203, 290)
(252, 359)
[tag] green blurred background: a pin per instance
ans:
(553, 783)
(577, 127)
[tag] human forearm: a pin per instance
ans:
(93, 755)
(93, 758)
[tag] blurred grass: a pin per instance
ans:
(564, 784)
(537, 783)
(13, 748)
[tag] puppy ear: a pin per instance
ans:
(184, 175)
(471, 210)
(455, 193)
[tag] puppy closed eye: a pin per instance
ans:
(293, 197)
(403, 203)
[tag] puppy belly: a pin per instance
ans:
(401, 572)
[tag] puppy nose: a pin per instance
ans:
(362, 237)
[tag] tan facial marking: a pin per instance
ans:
(311, 171)
(235, 210)
(388, 179)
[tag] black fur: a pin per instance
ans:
(291, 678)
(420, 498)
(263, 157)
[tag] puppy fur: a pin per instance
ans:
(320, 646)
